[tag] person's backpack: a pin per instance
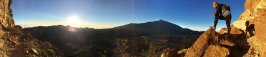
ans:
(226, 10)
(227, 7)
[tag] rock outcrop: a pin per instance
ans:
(213, 44)
(6, 16)
(260, 24)
(203, 42)
(255, 12)
(15, 43)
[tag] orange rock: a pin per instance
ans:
(260, 30)
(170, 52)
(6, 16)
(216, 51)
(199, 47)
(2, 43)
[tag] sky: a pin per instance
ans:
(192, 14)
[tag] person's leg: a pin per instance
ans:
(228, 22)
(215, 22)
(217, 17)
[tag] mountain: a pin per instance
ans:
(92, 42)
(157, 27)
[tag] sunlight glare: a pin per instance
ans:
(74, 21)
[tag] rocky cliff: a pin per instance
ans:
(259, 13)
(15, 43)
(6, 16)
(255, 12)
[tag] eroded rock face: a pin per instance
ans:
(6, 16)
(257, 10)
(253, 4)
(254, 48)
(260, 26)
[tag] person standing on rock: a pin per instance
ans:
(222, 13)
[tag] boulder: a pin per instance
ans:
(216, 51)
(170, 52)
(199, 47)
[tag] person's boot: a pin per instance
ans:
(212, 27)
(227, 35)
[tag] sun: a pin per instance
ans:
(73, 21)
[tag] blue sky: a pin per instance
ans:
(192, 14)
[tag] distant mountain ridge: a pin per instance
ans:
(157, 27)
(97, 40)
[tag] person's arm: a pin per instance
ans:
(218, 10)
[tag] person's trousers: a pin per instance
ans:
(227, 19)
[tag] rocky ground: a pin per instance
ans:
(18, 44)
